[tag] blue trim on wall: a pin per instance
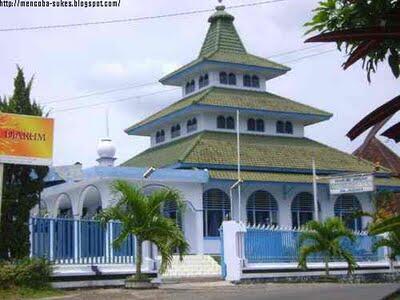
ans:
(201, 65)
(310, 118)
(196, 176)
(255, 169)
(211, 238)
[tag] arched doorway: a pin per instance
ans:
(262, 209)
(345, 207)
(91, 202)
(64, 207)
(217, 208)
(302, 209)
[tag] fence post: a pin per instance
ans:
(76, 241)
(51, 238)
(31, 220)
(233, 243)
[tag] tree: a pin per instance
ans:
(392, 241)
(385, 205)
(22, 184)
(141, 216)
(324, 238)
(368, 30)
(386, 225)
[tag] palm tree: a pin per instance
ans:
(392, 241)
(141, 216)
(324, 238)
(387, 225)
(384, 203)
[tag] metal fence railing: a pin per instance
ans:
(279, 245)
(69, 241)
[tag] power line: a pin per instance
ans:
(308, 56)
(296, 50)
(170, 90)
(100, 93)
(135, 19)
(103, 92)
(116, 101)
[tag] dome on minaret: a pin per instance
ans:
(106, 151)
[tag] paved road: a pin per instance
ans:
(222, 290)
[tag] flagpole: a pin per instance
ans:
(315, 190)
(238, 161)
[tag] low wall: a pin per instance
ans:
(271, 253)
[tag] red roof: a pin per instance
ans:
(376, 152)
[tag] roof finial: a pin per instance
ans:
(220, 6)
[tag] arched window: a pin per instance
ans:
(192, 86)
(230, 123)
(216, 208)
(302, 209)
(260, 125)
(201, 82)
(223, 78)
(170, 210)
(232, 79)
(262, 209)
(289, 127)
(158, 137)
(255, 81)
(206, 80)
(221, 123)
(187, 88)
(280, 127)
(175, 131)
(251, 125)
(191, 125)
(247, 80)
(345, 207)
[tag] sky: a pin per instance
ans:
(71, 62)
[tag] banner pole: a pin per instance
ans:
(315, 190)
(1, 187)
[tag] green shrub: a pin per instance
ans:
(33, 273)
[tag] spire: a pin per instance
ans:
(222, 34)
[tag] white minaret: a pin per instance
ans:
(106, 149)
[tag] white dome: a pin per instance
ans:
(106, 149)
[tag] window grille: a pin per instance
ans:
(216, 208)
(251, 125)
(262, 209)
(344, 208)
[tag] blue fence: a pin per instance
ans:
(277, 245)
(68, 241)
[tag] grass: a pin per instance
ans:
(28, 293)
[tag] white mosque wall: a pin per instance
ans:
(208, 121)
(94, 192)
(284, 194)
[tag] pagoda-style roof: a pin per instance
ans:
(223, 46)
(214, 150)
(226, 98)
(375, 151)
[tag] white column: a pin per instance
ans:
(233, 244)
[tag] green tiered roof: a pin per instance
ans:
(272, 152)
(225, 97)
(223, 44)
(287, 177)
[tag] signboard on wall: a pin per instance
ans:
(351, 184)
(26, 140)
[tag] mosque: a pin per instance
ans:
(194, 148)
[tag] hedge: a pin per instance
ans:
(32, 273)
